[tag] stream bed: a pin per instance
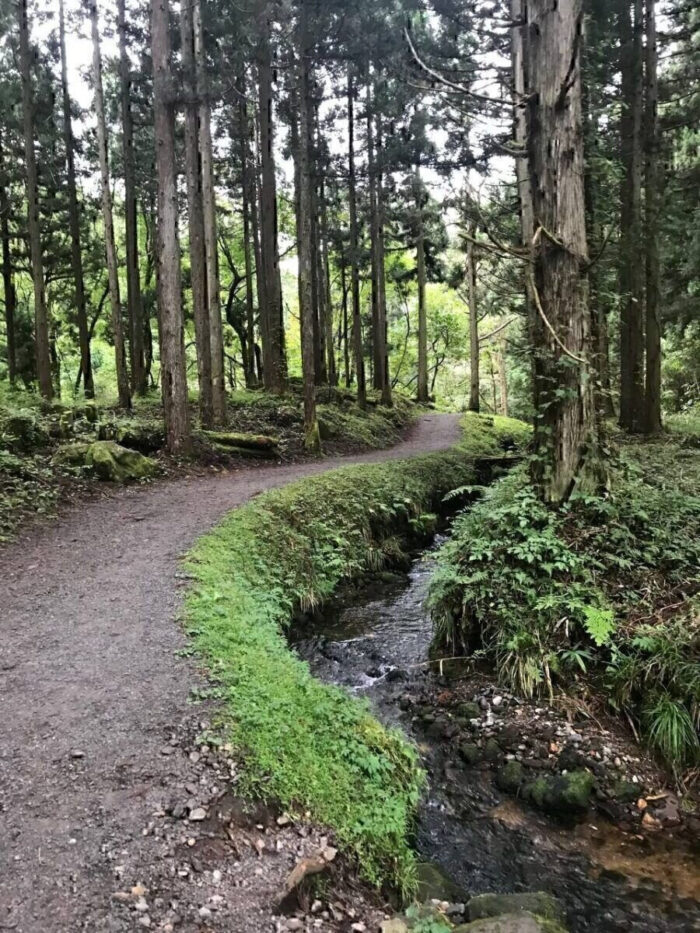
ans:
(610, 872)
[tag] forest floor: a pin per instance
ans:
(100, 747)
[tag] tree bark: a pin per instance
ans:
(652, 186)
(172, 338)
(331, 367)
(195, 214)
(354, 250)
(382, 352)
(41, 317)
(312, 437)
(211, 246)
(74, 219)
(631, 269)
(123, 386)
(133, 281)
(474, 378)
(502, 378)
(248, 199)
(8, 278)
(565, 436)
(273, 365)
(422, 393)
(374, 238)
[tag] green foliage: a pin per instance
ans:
(671, 730)
(545, 594)
(309, 745)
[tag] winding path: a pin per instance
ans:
(91, 685)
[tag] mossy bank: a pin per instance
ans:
(305, 744)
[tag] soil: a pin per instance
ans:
(101, 773)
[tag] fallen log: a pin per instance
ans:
(255, 442)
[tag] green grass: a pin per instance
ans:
(309, 745)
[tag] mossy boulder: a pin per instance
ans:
(435, 884)
(468, 710)
(538, 903)
(522, 922)
(112, 463)
(107, 460)
(510, 777)
(470, 753)
(564, 794)
(22, 433)
(144, 436)
(626, 791)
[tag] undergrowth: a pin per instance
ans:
(309, 745)
(603, 586)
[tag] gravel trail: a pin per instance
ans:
(92, 689)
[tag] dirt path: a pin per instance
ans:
(92, 690)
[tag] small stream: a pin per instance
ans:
(472, 839)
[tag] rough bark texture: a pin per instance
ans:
(326, 285)
(631, 269)
(211, 247)
(312, 438)
(133, 281)
(502, 378)
(123, 386)
(248, 203)
(380, 250)
(74, 219)
(652, 421)
(195, 217)
(422, 313)
(8, 277)
(41, 318)
(172, 339)
(474, 378)
(354, 250)
(374, 237)
(565, 445)
(273, 366)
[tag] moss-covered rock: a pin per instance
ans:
(435, 885)
(21, 432)
(625, 791)
(523, 922)
(468, 710)
(74, 454)
(492, 750)
(564, 794)
(112, 463)
(470, 753)
(510, 777)
(535, 902)
(144, 436)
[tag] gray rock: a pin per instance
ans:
(535, 902)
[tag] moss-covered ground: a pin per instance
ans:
(308, 745)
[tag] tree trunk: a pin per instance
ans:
(382, 353)
(565, 435)
(312, 437)
(133, 282)
(8, 278)
(331, 367)
(652, 193)
(172, 337)
(374, 237)
(41, 318)
(474, 380)
(502, 378)
(346, 329)
(211, 246)
(195, 213)
(422, 393)
(74, 219)
(248, 197)
(123, 387)
(354, 250)
(273, 366)
(631, 269)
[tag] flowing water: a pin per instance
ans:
(374, 641)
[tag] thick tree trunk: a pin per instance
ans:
(8, 277)
(502, 378)
(248, 199)
(331, 367)
(123, 386)
(273, 364)
(133, 281)
(312, 437)
(631, 269)
(346, 330)
(74, 219)
(374, 238)
(211, 246)
(474, 378)
(354, 250)
(172, 337)
(652, 197)
(422, 393)
(195, 216)
(41, 317)
(565, 435)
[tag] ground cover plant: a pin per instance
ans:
(603, 586)
(304, 743)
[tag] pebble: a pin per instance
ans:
(216, 876)
(77, 753)
(497, 700)
(204, 912)
(198, 814)
(294, 923)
